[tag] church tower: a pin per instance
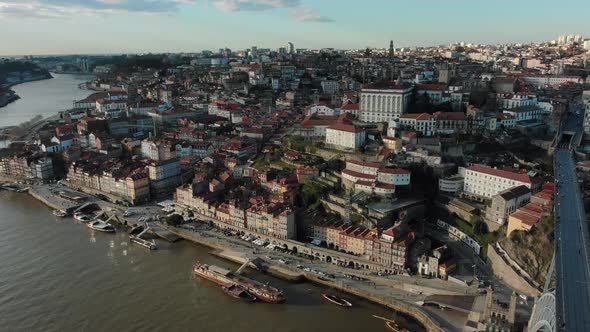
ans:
(391, 52)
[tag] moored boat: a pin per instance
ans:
(225, 277)
(238, 292)
(100, 226)
(82, 217)
(336, 300)
(59, 213)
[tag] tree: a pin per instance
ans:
(480, 227)
(174, 219)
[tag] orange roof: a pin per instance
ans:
(347, 128)
(359, 175)
(364, 163)
(500, 173)
(394, 171)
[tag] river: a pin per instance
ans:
(46, 98)
(57, 275)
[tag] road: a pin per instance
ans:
(572, 253)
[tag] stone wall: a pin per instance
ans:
(508, 275)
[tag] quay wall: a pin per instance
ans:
(415, 312)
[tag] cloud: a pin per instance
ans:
(310, 15)
(298, 12)
(253, 5)
(64, 8)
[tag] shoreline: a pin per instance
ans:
(11, 96)
(284, 272)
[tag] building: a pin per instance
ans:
(550, 80)
(164, 176)
(526, 217)
(392, 143)
(343, 136)
(586, 99)
(330, 86)
(506, 202)
(451, 185)
(424, 123)
(157, 149)
(384, 102)
(485, 182)
(524, 113)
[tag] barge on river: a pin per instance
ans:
(226, 278)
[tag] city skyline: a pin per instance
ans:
(140, 26)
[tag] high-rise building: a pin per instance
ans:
(587, 45)
(586, 99)
(290, 48)
(391, 50)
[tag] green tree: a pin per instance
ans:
(174, 219)
(480, 227)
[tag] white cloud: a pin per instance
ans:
(310, 15)
(298, 12)
(253, 5)
(64, 8)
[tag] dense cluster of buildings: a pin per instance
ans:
(243, 136)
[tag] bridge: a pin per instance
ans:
(565, 303)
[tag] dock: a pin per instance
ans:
(163, 233)
(143, 242)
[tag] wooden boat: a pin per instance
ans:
(238, 292)
(101, 226)
(336, 300)
(59, 213)
(391, 325)
(82, 217)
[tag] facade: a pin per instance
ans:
(345, 136)
(586, 99)
(384, 102)
(506, 202)
(330, 86)
(450, 185)
(157, 150)
(525, 218)
(485, 182)
(164, 176)
(423, 123)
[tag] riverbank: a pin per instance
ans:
(376, 290)
(288, 272)
(8, 96)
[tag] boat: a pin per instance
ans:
(225, 278)
(59, 213)
(82, 217)
(391, 325)
(336, 300)
(394, 327)
(101, 226)
(238, 292)
(142, 242)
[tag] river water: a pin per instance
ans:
(57, 275)
(46, 98)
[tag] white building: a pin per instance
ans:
(450, 185)
(551, 80)
(424, 123)
(345, 136)
(484, 181)
(508, 101)
(526, 113)
(384, 102)
(330, 86)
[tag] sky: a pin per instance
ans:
(139, 26)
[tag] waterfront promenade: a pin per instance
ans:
(400, 293)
